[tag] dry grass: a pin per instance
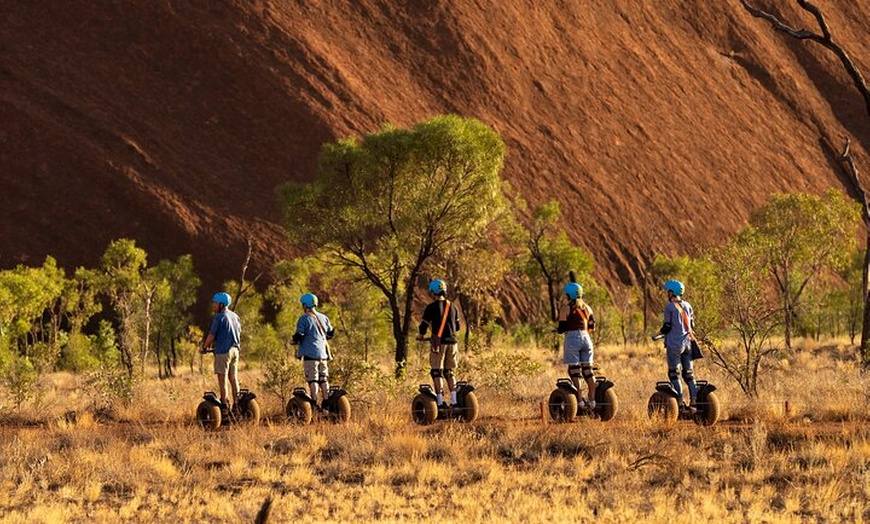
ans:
(151, 463)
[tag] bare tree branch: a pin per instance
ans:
(825, 39)
(245, 286)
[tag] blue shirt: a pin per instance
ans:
(678, 337)
(227, 330)
(313, 343)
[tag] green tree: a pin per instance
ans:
(801, 235)
(123, 265)
(749, 309)
(853, 275)
(552, 254)
(171, 308)
(383, 206)
(28, 313)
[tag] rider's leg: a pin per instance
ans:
(233, 373)
(586, 356)
(220, 370)
(309, 368)
(435, 373)
(450, 357)
(689, 376)
(572, 359)
(589, 377)
(673, 375)
(323, 378)
(575, 373)
(436, 363)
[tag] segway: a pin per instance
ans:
(301, 408)
(425, 409)
(212, 413)
(564, 404)
(668, 405)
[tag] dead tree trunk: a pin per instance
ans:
(826, 40)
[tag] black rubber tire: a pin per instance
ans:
(424, 410)
(606, 407)
(562, 405)
(342, 409)
(663, 407)
(299, 411)
(708, 411)
(208, 415)
(469, 408)
(251, 413)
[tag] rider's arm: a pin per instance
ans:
(209, 340)
(424, 324)
(563, 320)
(301, 329)
(666, 327)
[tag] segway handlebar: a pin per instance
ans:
(658, 337)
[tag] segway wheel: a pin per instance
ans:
(424, 410)
(299, 411)
(663, 407)
(208, 415)
(469, 409)
(708, 411)
(563, 405)
(342, 409)
(251, 413)
(606, 408)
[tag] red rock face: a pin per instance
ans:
(173, 124)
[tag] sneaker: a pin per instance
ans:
(443, 405)
(590, 404)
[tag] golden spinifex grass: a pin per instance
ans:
(152, 463)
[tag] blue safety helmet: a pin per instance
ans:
(573, 290)
(438, 287)
(675, 286)
(309, 300)
(222, 298)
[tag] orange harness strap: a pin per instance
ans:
(686, 321)
(444, 319)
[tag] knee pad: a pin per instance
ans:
(586, 371)
(688, 375)
(435, 373)
(673, 375)
(448, 373)
(574, 371)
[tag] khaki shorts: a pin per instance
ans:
(224, 361)
(315, 370)
(445, 358)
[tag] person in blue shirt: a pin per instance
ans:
(678, 331)
(223, 338)
(313, 330)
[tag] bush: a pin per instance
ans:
(78, 355)
(109, 384)
(281, 372)
(20, 378)
(500, 370)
